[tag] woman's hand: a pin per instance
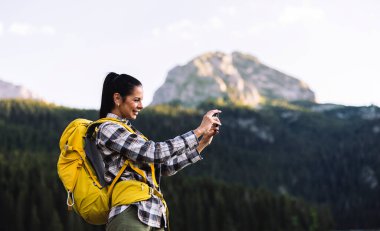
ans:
(207, 138)
(208, 122)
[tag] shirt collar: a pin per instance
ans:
(111, 115)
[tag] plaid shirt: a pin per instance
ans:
(117, 144)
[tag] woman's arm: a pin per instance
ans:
(190, 156)
(177, 163)
(118, 139)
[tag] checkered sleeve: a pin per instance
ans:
(117, 138)
(178, 162)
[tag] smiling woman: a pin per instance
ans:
(140, 162)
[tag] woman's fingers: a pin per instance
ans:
(213, 112)
(212, 116)
(212, 132)
(208, 122)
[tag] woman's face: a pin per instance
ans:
(132, 105)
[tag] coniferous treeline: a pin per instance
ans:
(328, 158)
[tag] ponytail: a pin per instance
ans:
(115, 83)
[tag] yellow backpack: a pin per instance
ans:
(81, 170)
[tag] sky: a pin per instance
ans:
(62, 50)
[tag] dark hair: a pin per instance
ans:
(115, 83)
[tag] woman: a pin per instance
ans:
(122, 100)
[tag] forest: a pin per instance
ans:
(285, 166)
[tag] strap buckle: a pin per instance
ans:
(151, 191)
(70, 199)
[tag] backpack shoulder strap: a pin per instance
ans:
(110, 188)
(91, 130)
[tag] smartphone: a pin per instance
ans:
(216, 115)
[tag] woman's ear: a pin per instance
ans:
(117, 99)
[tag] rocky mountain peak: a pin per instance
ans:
(236, 78)
(11, 91)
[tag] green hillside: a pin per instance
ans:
(283, 167)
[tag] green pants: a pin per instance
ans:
(128, 221)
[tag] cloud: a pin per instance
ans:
(181, 25)
(215, 23)
(156, 32)
(26, 29)
(189, 30)
(305, 15)
(22, 29)
(184, 29)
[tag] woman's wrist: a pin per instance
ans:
(198, 132)
(200, 147)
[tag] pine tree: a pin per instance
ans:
(55, 223)
(35, 222)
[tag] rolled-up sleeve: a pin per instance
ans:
(118, 139)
